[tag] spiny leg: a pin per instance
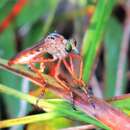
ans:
(81, 64)
(90, 96)
(72, 67)
(42, 67)
(71, 64)
(41, 95)
(79, 79)
(56, 74)
(73, 100)
(76, 79)
(69, 69)
(37, 71)
(87, 91)
(62, 83)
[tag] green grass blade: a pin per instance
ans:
(112, 45)
(121, 102)
(43, 26)
(50, 18)
(28, 119)
(26, 97)
(92, 38)
(7, 40)
(62, 108)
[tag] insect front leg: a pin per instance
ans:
(71, 64)
(75, 78)
(81, 63)
(87, 90)
(37, 71)
(69, 69)
(79, 78)
(56, 75)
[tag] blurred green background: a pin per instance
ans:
(32, 20)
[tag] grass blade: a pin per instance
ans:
(28, 119)
(93, 36)
(60, 108)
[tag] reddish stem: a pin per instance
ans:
(104, 112)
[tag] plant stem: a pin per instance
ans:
(101, 111)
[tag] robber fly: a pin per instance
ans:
(55, 45)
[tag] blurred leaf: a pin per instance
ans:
(121, 102)
(33, 36)
(50, 18)
(28, 119)
(7, 49)
(33, 10)
(41, 28)
(113, 38)
(5, 7)
(7, 46)
(2, 3)
(64, 108)
(59, 107)
(45, 121)
(93, 35)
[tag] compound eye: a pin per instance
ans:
(68, 46)
(51, 37)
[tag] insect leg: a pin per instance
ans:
(79, 79)
(37, 71)
(71, 64)
(68, 68)
(73, 100)
(56, 75)
(90, 96)
(41, 95)
(76, 80)
(62, 83)
(89, 93)
(81, 64)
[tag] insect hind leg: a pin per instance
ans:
(89, 93)
(41, 95)
(55, 73)
(37, 71)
